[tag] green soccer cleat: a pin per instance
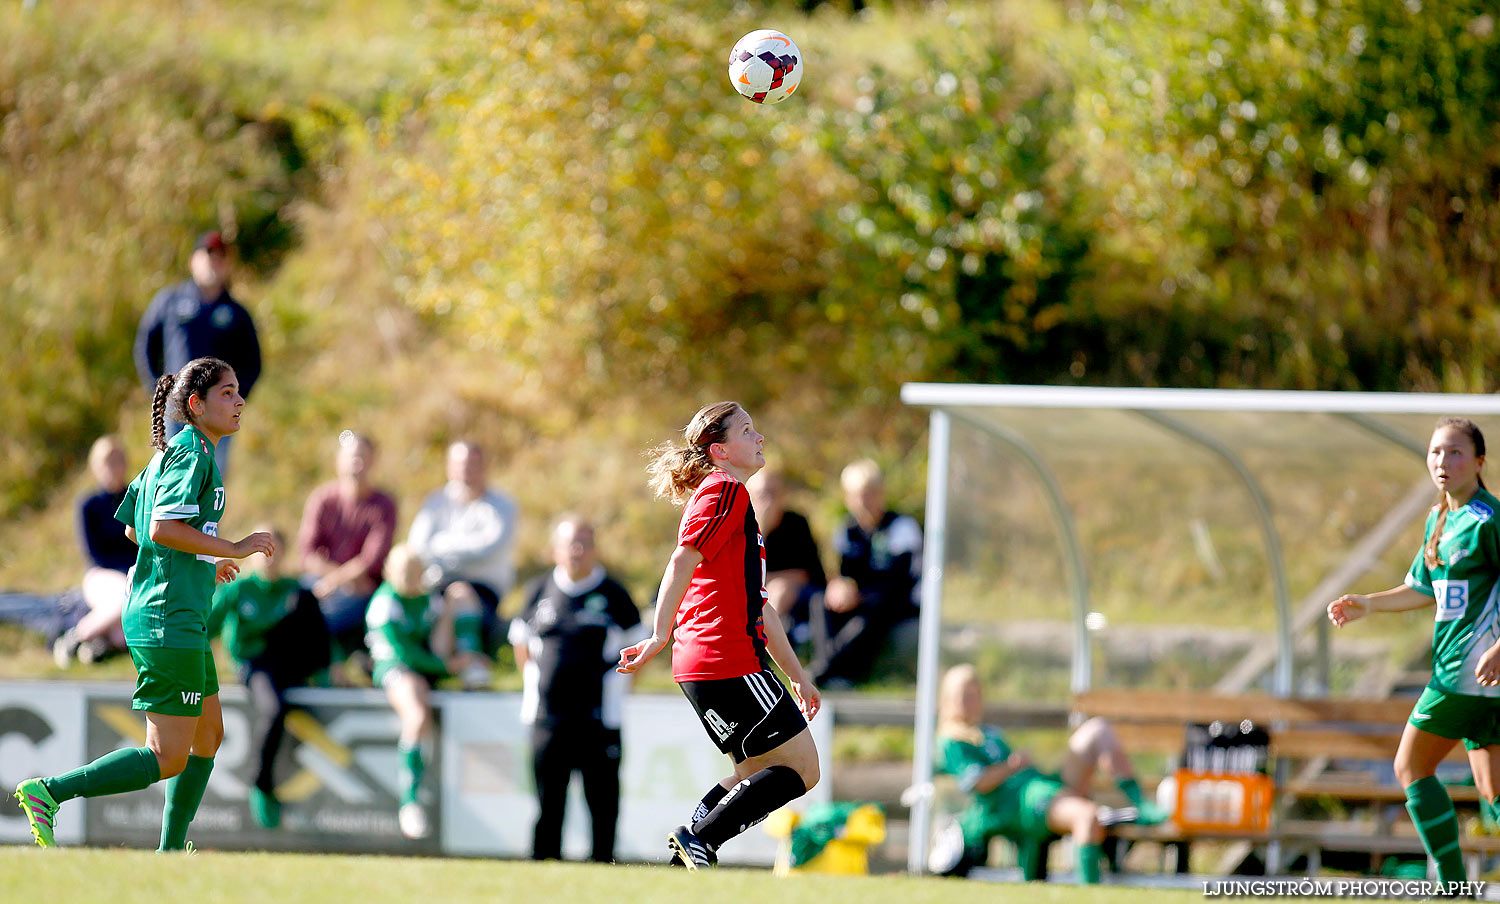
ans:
(1149, 814)
(41, 810)
(265, 808)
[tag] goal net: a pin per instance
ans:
(1083, 537)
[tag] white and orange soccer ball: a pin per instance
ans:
(765, 66)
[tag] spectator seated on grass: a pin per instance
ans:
(110, 556)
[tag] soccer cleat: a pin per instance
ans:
(694, 852)
(1113, 816)
(413, 821)
(1149, 814)
(265, 808)
(41, 811)
(65, 648)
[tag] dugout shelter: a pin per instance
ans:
(1070, 500)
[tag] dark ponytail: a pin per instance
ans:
(196, 378)
(1470, 429)
(159, 411)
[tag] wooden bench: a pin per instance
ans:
(1306, 737)
(1153, 721)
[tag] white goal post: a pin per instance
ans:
(991, 409)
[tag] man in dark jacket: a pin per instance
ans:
(198, 317)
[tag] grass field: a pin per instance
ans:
(82, 876)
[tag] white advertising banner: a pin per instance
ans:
(41, 732)
(668, 762)
(338, 774)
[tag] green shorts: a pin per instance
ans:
(1036, 796)
(1474, 720)
(383, 669)
(173, 682)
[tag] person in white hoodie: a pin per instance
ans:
(466, 531)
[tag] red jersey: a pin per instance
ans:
(719, 629)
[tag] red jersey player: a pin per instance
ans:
(714, 590)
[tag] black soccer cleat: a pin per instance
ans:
(694, 852)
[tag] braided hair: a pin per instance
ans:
(1470, 429)
(170, 399)
(676, 471)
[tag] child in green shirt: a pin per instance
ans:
(415, 640)
(274, 629)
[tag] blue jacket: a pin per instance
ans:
(179, 326)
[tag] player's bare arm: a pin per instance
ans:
(674, 585)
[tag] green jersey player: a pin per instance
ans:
(1455, 574)
(172, 511)
(1006, 796)
(416, 639)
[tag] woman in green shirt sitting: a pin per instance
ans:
(1011, 798)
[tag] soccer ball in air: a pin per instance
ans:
(765, 66)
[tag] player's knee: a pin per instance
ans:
(1406, 771)
(416, 723)
(461, 598)
(810, 774)
(1485, 784)
(170, 763)
(1087, 828)
(207, 743)
(1090, 735)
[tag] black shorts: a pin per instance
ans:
(746, 716)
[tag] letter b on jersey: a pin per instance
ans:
(1452, 599)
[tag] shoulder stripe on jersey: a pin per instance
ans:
(721, 514)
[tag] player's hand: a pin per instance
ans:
(808, 698)
(258, 542)
(1017, 761)
(225, 570)
(1348, 608)
(637, 655)
(842, 595)
(1488, 669)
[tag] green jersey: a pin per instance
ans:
(171, 591)
(247, 609)
(399, 628)
(1464, 585)
(999, 809)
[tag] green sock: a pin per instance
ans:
(411, 771)
(1437, 825)
(114, 773)
(1132, 790)
(184, 793)
(1088, 863)
(466, 631)
(1489, 815)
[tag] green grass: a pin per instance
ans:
(81, 876)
